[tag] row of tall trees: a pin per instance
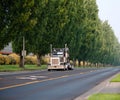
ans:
(57, 22)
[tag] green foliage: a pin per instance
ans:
(108, 45)
(58, 22)
(104, 97)
(16, 18)
(89, 42)
(11, 68)
(116, 79)
(7, 68)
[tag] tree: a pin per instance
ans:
(75, 23)
(24, 21)
(85, 33)
(52, 27)
(6, 18)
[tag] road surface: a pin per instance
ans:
(54, 85)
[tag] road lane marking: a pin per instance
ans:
(29, 78)
(32, 77)
(33, 82)
(39, 76)
(18, 85)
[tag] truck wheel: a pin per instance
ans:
(49, 69)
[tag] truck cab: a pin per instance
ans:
(59, 59)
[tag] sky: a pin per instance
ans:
(110, 10)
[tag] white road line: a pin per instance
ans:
(31, 77)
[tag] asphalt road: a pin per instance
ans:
(54, 85)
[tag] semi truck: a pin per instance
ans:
(59, 59)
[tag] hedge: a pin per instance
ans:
(15, 59)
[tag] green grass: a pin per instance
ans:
(105, 97)
(9, 68)
(116, 79)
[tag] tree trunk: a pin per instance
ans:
(21, 64)
(87, 64)
(73, 62)
(79, 63)
(38, 60)
(84, 63)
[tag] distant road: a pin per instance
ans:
(54, 85)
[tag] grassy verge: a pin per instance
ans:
(9, 68)
(105, 97)
(116, 79)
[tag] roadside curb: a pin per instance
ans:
(96, 89)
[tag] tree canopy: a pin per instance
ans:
(59, 22)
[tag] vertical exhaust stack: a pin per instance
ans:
(51, 49)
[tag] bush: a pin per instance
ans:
(10, 59)
(15, 59)
(7, 60)
(30, 60)
(2, 60)
(45, 60)
(33, 60)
